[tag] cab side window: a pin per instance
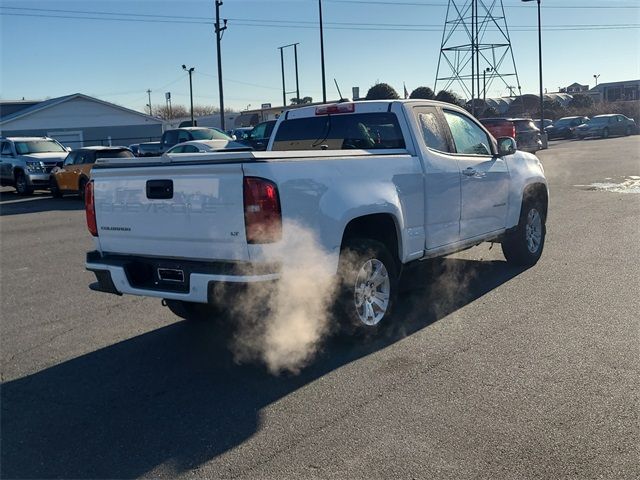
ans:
(190, 149)
(469, 138)
(6, 149)
(433, 133)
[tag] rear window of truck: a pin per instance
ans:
(368, 131)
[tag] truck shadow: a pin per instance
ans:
(174, 395)
(14, 204)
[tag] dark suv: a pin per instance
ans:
(259, 137)
(527, 135)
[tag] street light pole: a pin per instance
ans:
(596, 78)
(190, 71)
(219, 33)
(324, 82)
(540, 65)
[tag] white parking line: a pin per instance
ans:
(32, 199)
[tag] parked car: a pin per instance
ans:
(258, 138)
(149, 149)
(241, 133)
(547, 123)
(26, 162)
(180, 135)
(378, 184)
(526, 134)
(606, 125)
(200, 146)
(74, 174)
(565, 127)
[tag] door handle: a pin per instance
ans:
(469, 172)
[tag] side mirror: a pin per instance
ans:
(506, 146)
(68, 149)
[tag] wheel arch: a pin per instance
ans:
(382, 227)
(537, 192)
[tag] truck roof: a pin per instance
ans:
(359, 106)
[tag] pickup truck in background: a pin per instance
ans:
(385, 183)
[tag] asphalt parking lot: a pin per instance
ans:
(505, 373)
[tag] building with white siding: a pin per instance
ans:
(78, 120)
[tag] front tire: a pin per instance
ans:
(368, 277)
(523, 247)
(54, 188)
(22, 186)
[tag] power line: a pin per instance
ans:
(339, 26)
(428, 4)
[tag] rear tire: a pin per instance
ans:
(192, 311)
(22, 187)
(81, 186)
(368, 276)
(523, 247)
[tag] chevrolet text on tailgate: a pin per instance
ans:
(377, 184)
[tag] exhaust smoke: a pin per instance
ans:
(282, 324)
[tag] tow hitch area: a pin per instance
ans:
(171, 275)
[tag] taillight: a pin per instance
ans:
(90, 209)
(513, 131)
(262, 215)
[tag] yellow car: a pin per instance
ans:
(75, 171)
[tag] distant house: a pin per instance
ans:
(78, 120)
(575, 88)
(616, 91)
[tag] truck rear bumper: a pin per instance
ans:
(174, 279)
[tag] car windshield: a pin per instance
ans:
(38, 146)
(209, 134)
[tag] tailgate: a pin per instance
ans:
(181, 211)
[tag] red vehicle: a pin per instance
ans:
(523, 130)
(499, 127)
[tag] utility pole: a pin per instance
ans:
(190, 71)
(540, 66)
(149, 93)
(473, 57)
(219, 32)
(324, 82)
(295, 56)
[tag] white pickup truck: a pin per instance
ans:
(390, 182)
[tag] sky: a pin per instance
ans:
(116, 50)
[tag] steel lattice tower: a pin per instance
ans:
(476, 49)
